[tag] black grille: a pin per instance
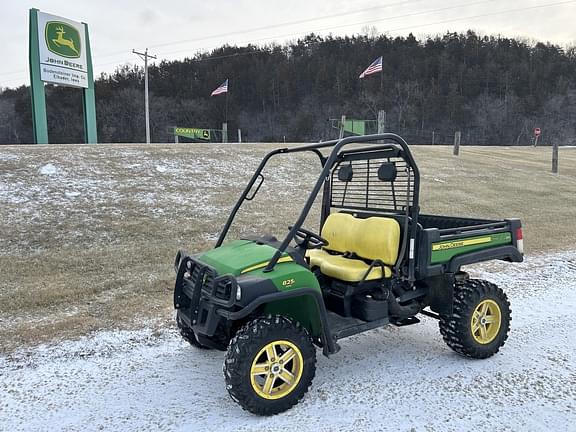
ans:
(197, 282)
(366, 191)
(206, 280)
(197, 278)
(195, 273)
(224, 289)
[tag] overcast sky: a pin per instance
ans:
(175, 29)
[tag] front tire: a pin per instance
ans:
(269, 365)
(479, 324)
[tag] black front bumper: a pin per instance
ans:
(199, 292)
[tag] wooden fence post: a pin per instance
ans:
(457, 137)
(342, 121)
(381, 121)
(555, 157)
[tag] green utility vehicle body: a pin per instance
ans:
(374, 259)
(246, 260)
(220, 290)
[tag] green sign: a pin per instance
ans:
(59, 53)
(193, 133)
(62, 39)
(357, 127)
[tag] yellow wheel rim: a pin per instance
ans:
(486, 321)
(276, 370)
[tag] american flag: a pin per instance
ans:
(375, 66)
(222, 88)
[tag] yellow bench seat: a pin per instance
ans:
(340, 267)
(351, 270)
(371, 238)
(317, 256)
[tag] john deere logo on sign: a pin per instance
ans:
(62, 39)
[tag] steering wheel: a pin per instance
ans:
(308, 240)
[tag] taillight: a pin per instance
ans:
(519, 240)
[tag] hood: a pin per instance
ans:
(240, 256)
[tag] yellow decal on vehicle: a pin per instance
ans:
(264, 264)
(460, 243)
(288, 282)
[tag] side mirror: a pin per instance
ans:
(255, 190)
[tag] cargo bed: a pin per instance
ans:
(446, 242)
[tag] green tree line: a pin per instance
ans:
(492, 88)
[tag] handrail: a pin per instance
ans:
(327, 163)
(370, 139)
(250, 184)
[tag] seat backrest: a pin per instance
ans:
(376, 238)
(371, 238)
(338, 229)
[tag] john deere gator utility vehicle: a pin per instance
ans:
(374, 260)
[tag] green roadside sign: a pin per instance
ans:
(193, 133)
(357, 127)
(59, 53)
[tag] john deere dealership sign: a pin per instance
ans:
(62, 54)
(193, 133)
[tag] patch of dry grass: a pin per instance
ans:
(88, 233)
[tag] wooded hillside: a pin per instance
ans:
(494, 89)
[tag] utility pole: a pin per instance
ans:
(144, 56)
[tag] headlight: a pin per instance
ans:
(238, 292)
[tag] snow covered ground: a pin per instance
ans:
(398, 379)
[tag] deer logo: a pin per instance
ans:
(63, 39)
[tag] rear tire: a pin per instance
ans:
(269, 365)
(480, 321)
(188, 334)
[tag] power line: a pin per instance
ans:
(289, 23)
(372, 21)
(267, 27)
(411, 14)
(486, 15)
(366, 22)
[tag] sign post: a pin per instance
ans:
(39, 121)
(59, 53)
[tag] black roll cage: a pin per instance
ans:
(376, 143)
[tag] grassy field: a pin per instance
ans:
(88, 234)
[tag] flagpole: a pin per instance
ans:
(226, 109)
